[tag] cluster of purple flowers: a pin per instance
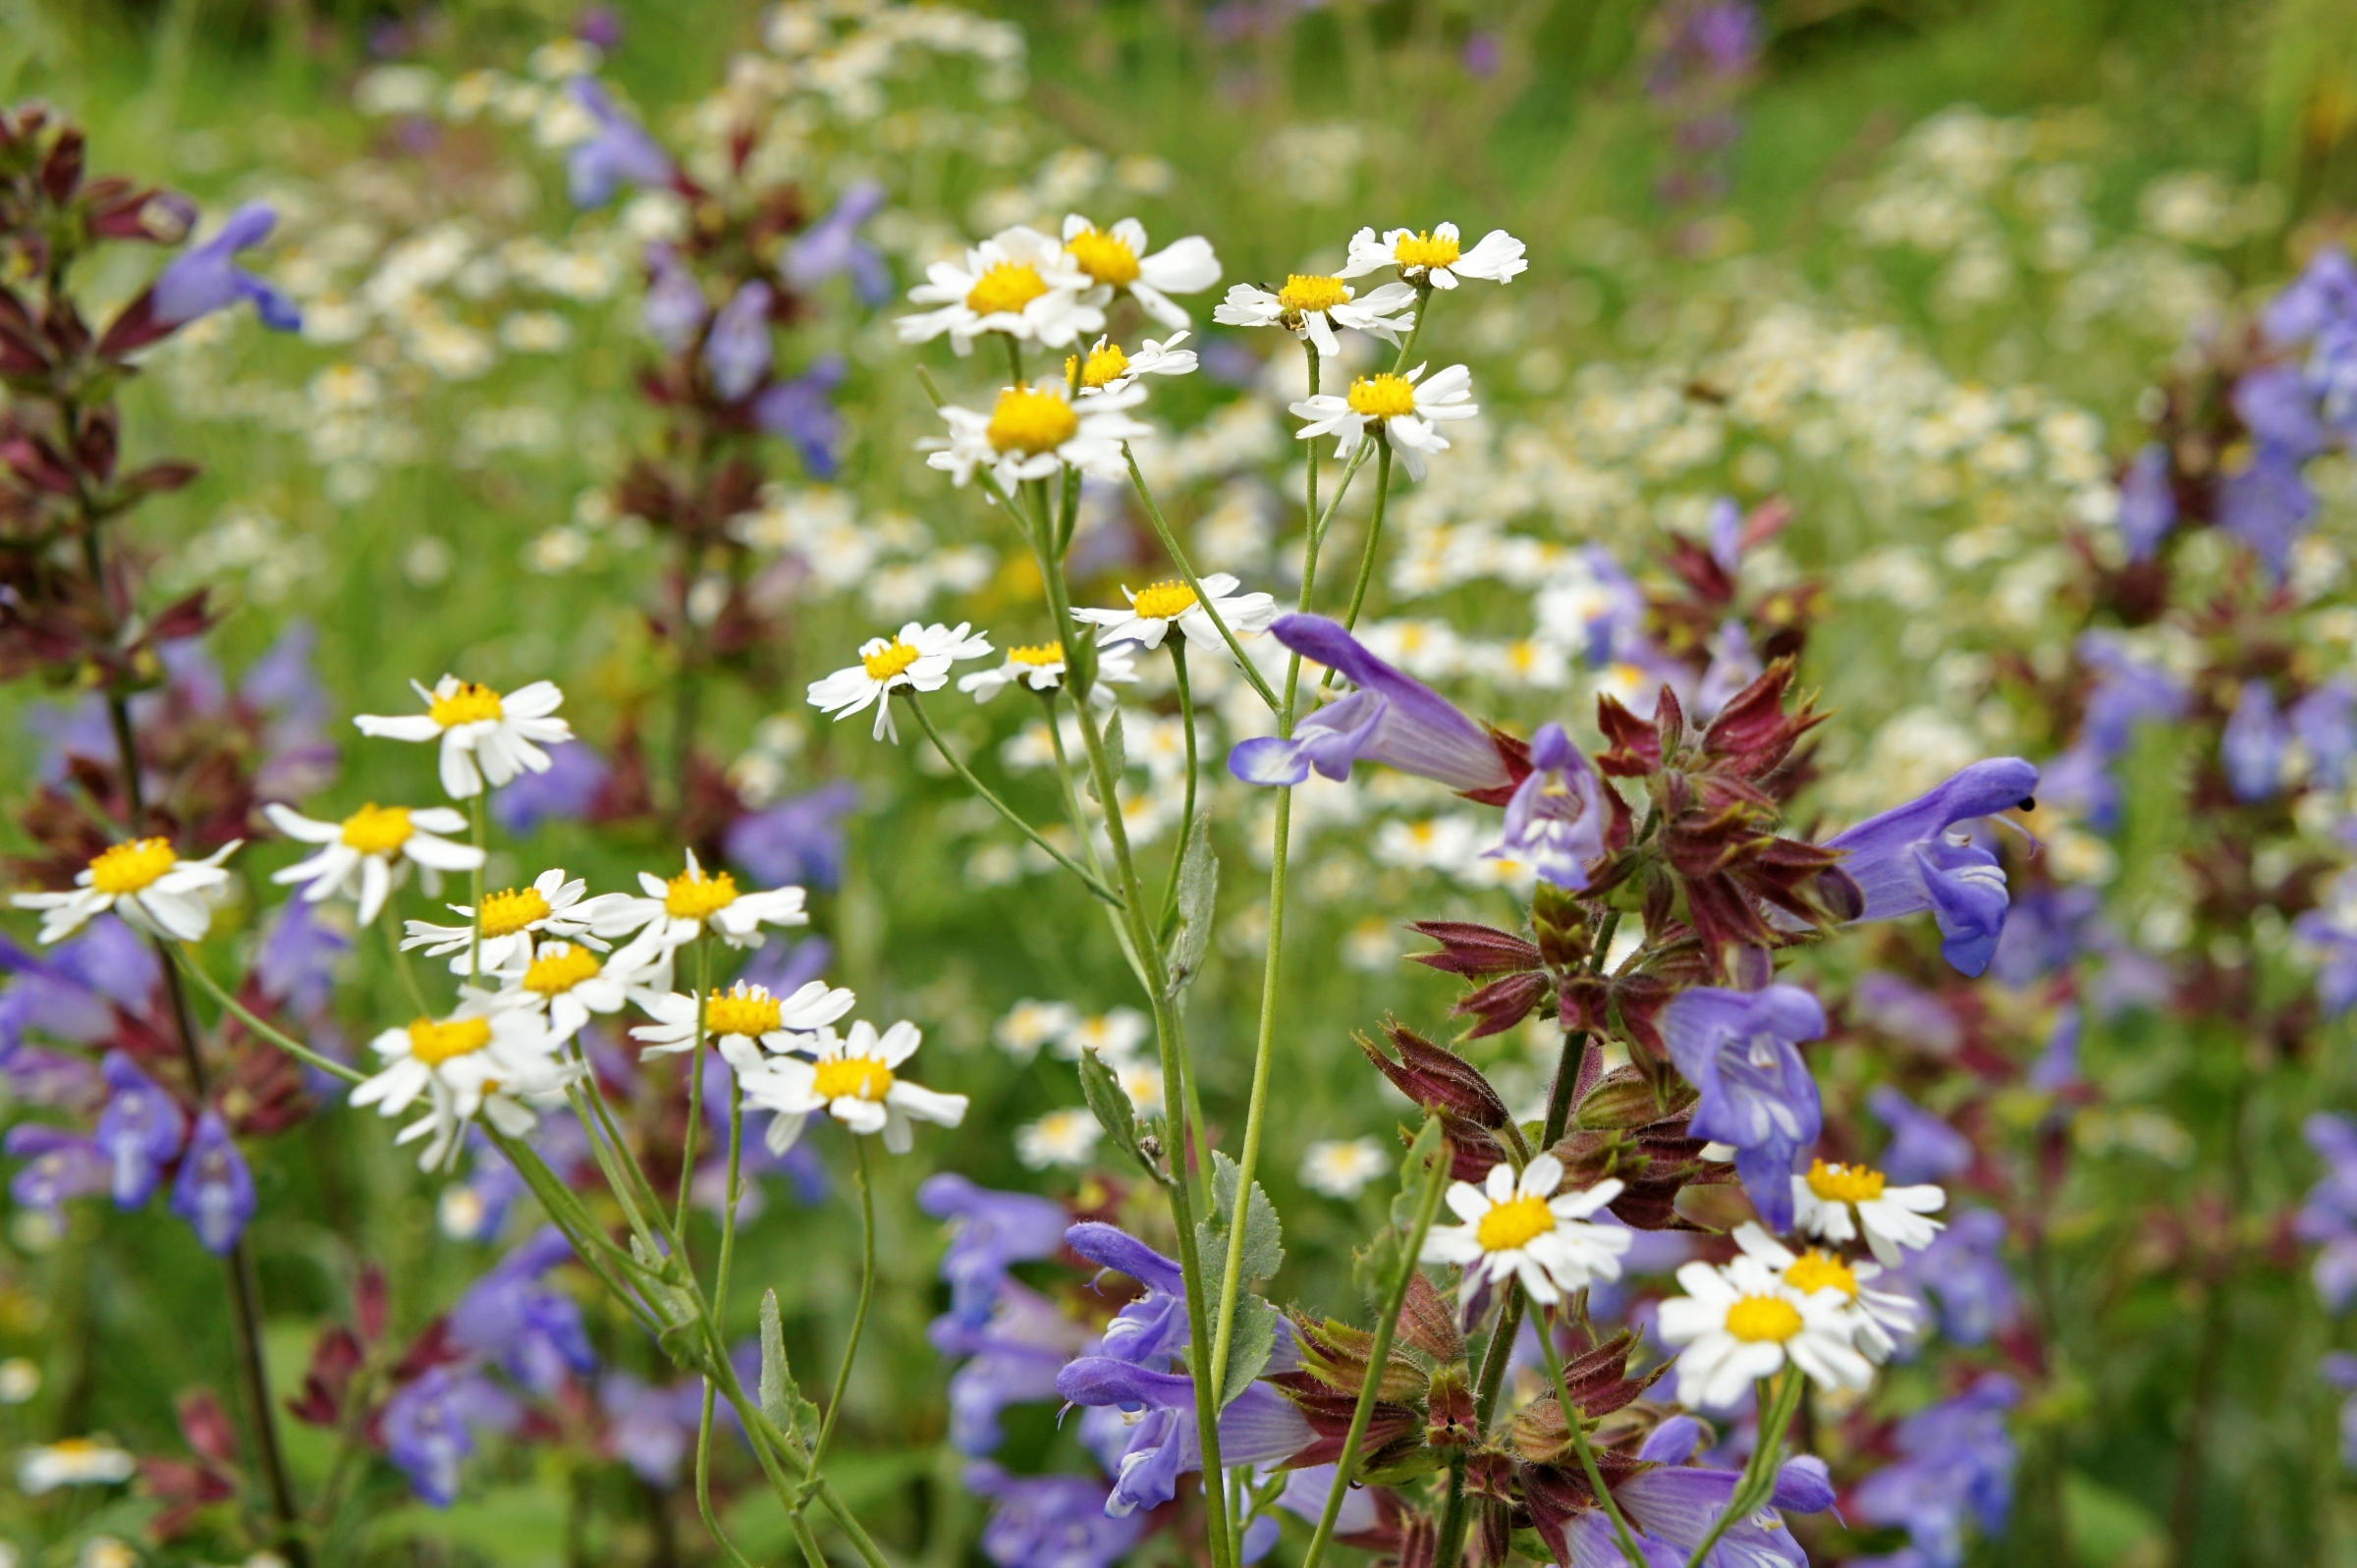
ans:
(1955, 1464)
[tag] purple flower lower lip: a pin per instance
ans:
(995, 1229)
(1904, 861)
(620, 153)
(140, 1131)
(1737, 1048)
(205, 280)
(1555, 818)
(214, 1193)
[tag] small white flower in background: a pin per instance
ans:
(1029, 1025)
(1881, 1318)
(479, 1059)
(1743, 1322)
(1436, 254)
(1154, 608)
(1116, 1035)
(1060, 1138)
(1107, 368)
(855, 1080)
(361, 854)
(146, 882)
(1142, 1081)
(1410, 413)
(1019, 282)
(742, 1020)
(1342, 1169)
(1040, 666)
(570, 983)
(512, 918)
(20, 1381)
(685, 907)
(484, 736)
(1824, 1201)
(918, 659)
(105, 1551)
(1116, 259)
(1518, 1229)
(1038, 431)
(73, 1462)
(1310, 306)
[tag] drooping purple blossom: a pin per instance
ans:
(2148, 501)
(1392, 719)
(1910, 859)
(990, 1231)
(1955, 1466)
(1153, 1328)
(737, 348)
(510, 1315)
(1052, 1520)
(1739, 1048)
(1013, 1357)
(833, 246)
(2323, 296)
(52, 1078)
(802, 409)
(1679, 1503)
(2057, 1065)
(2325, 721)
(2264, 500)
(2046, 931)
(140, 1131)
(651, 1428)
(1163, 1442)
(620, 153)
(798, 841)
(1556, 819)
(206, 278)
(567, 793)
(1922, 1147)
(675, 308)
(430, 1424)
(1964, 1271)
(214, 1191)
(58, 1166)
(2254, 742)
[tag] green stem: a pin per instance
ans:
(703, 1483)
(400, 963)
(1186, 572)
(1494, 1359)
(186, 954)
(1094, 884)
(1187, 816)
(1759, 1476)
(732, 1194)
(695, 1090)
(867, 1290)
(1577, 1423)
(1366, 557)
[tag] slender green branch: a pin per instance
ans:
(695, 1090)
(867, 1289)
(1186, 573)
(1758, 1481)
(703, 1484)
(1093, 884)
(185, 955)
(1366, 557)
(401, 962)
(1574, 1420)
(1187, 814)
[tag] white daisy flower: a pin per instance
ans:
(1029, 1025)
(550, 907)
(1040, 666)
(1311, 306)
(856, 1081)
(918, 659)
(1824, 1201)
(569, 982)
(1106, 368)
(1116, 259)
(1517, 1229)
(363, 854)
(1116, 1034)
(1019, 282)
(743, 1021)
(146, 882)
(1743, 1322)
(73, 1462)
(1881, 1318)
(1066, 1137)
(1410, 413)
(1435, 256)
(681, 908)
(1342, 1168)
(1142, 1081)
(480, 1060)
(1033, 432)
(1155, 607)
(484, 736)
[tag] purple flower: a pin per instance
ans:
(599, 26)
(1955, 1464)
(799, 840)
(2328, 1212)
(802, 409)
(140, 1131)
(1907, 859)
(430, 1424)
(1556, 819)
(1052, 1520)
(2280, 411)
(1678, 1504)
(2265, 500)
(1733, 666)
(620, 153)
(2323, 296)
(1739, 1048)
(38, 1077)
(1391, 718)
(2339, 1369)
(1908, 1011)
(2057, 1067)
(1725, 530)
(2325, 722)
(296, 962)
(833, 244)
(204, 280)
(214, 1192)
(1922, 1147)
(737, 351)
(2148, 501)
(59, 1165)
(2256, 737)
(567, 793)
(1014, 1357)
(44, 997)
(1153, 1328)
(675, 308)
(2046, 931)
(2129, 691)
(1963, 1268)
(649, 1428)
(2331, 374)
(990, 1231)
(1482, 54)
(1259, 1426)
(533, 1332)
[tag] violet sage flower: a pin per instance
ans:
(1556, 819)
(1739, 1048)
(1014, 1357)
(2254, 742)
(1922, 1147)
(675, 308)
(205, 279)
(2328, 1216)
(2323, 296)
(1152, 1329)
(833, 244)
(532, 1330)
(2148, 501)
(1964, 1269)
(1161, 1440)
(1955, 1466)
(140, 1131)
(990, 1231)
(802, 409)
(737, 351)
(620, 153)
(214, 1191)
(1052, 1520)
(2325, 721)
(1909, 859)
(58, 1166)
(429, 1428)
(1678, 1503)
(651, 1427)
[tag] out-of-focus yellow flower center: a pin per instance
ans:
(893, 659)
(559, 969)
(507, 913)
(742, 1010)
(1032, 422)
(1756, 1319)
(1036, 654)
(693, 895)
(857, 1077)
(1163, 601)
(1382, 397)
(1306, 292)
(376, 829)
(130, 867)
(1004, 289)
(1414, 250)
(1513, 1222)
(1106, 258)
(1816, 1270)
(437, 1042)
(1105, 365)
(1844, 1184)
(469, 704)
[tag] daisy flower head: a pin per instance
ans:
(146, 882)
(854, 1079)
(1405, 410)
(918, 659)
(1030, 1024)
(362, 857)
(1436, 257)
(1839, 1202)
(1036, 431)
(479, 1061)
(1516, 1228)
(1118, 259)
(1881, 1318)
(1743, 1322)
(1040, 666)
(1104, 367)
(1157, 607)
(1342, 1168)
(511, 920)
(569, 982)
(1066, 1137)
(1311, 305)
(1019, 282)
(695, 902)
(743, 1021)
(485, 737)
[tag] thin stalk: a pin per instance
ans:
(1094, 884)
(1366, 557)
(695, 1088)
(401, 964)
(1759, 1476)
(1186, 573)
(1186, 817)
(1575, 1421)
(184, 958)
(703, 1484)
(867, 1290)
(731, 1195)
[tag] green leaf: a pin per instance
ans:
(1109, 1105)
(1264, 1237)
(1249, 1345)
(781, 1399)
(1199, 900)
(1117, 756)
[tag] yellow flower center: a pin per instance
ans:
(693, 895)
(1036, 654)
(437, 1042)
(1163, 601)
(1306, 292)
(1816, 1270)
(1106, 258)
(1513, 1222)
(1382, 397)
(1755, 1318)
(742, 1010)
(1105, 365)
(561, 968)
(1838, 1183)
(1415, 250)
(130, 867)
(857, 1077)
(1004, 289)
(890, 660)
(1032, 422)
(376, 829)
(507, 913)
(469, 704)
